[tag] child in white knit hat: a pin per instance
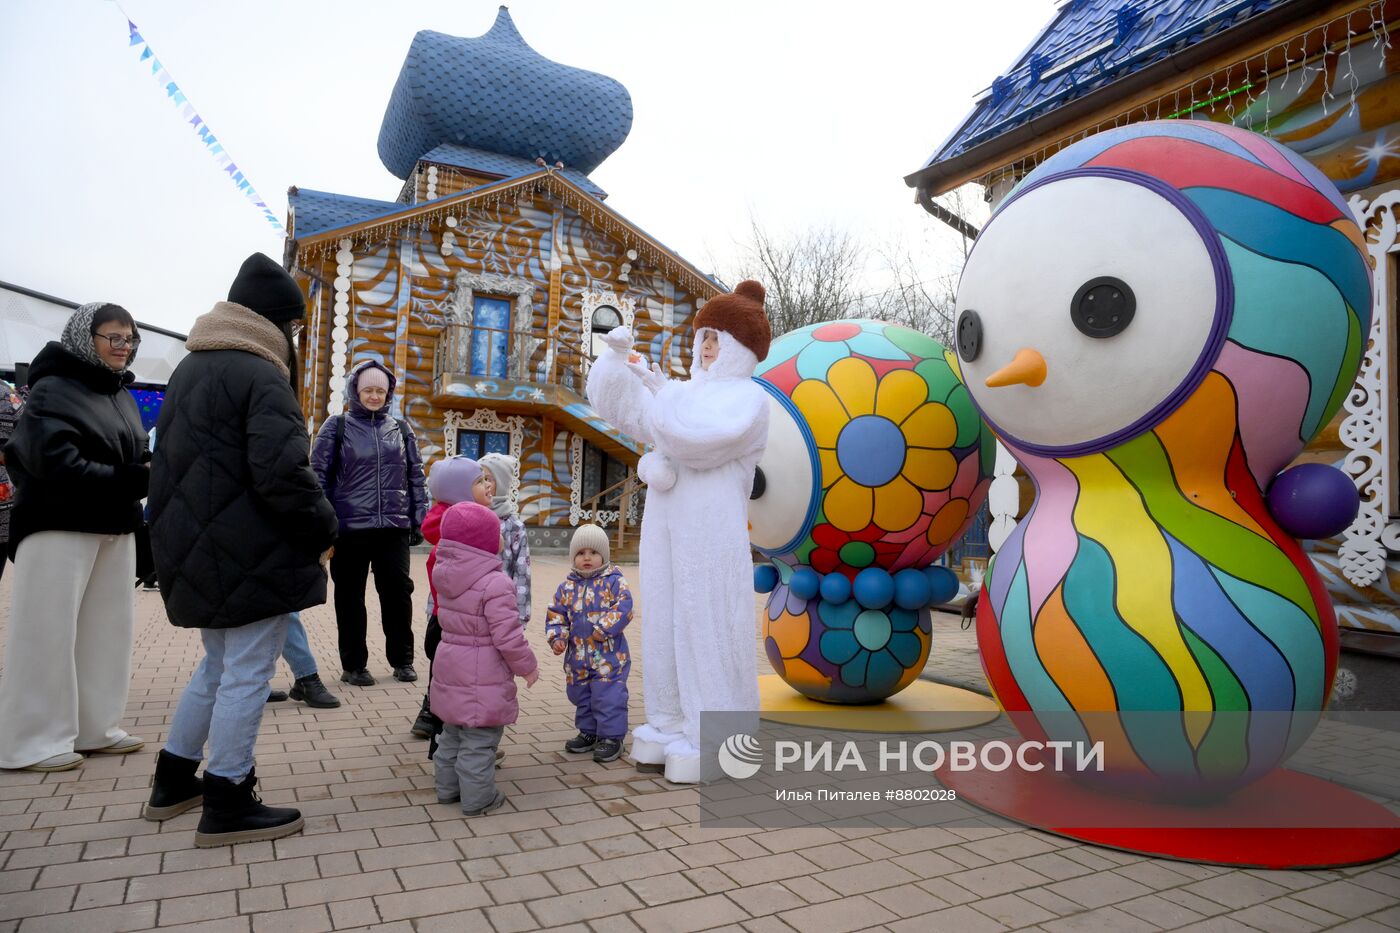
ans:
(590, 610)
(502, 474)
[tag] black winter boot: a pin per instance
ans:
(581, 743)
(426, 725)
(233, 813)
(174, 789)
(312, 692)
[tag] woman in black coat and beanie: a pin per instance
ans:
(79, 464)
(238, 530)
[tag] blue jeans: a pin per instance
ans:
(297, 651)
(224, 701)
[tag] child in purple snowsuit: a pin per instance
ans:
(590, 609)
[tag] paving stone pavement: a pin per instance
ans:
(579, 845)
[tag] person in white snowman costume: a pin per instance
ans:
(699, 651)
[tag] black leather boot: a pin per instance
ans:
(312, 692)
(233, 813)
(426, 725)
(174, 789)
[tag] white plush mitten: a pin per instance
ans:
(652, 378)
(619, 338)
(656, 471)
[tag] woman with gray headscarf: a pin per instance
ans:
(79, 463)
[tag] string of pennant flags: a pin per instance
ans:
(206, 136)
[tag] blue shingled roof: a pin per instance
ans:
(493, 163)
(318, 211)
(1089, 44)
(496, 93)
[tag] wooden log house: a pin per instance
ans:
(486, 284)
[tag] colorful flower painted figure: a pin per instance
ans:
(1198, 316)
(877, 462)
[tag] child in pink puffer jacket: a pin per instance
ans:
(482, 651)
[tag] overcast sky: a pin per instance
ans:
(797, 114)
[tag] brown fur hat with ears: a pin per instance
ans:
(740, 315)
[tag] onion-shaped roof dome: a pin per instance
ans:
(494, 92)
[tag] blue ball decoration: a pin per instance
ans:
(943, 585)
(874, 588)
(912, 589)
(836, 588)
(806, 583)
(765, 578)
(1313, 500)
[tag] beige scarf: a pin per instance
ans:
(233, 327)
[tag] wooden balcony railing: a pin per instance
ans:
(466, 350)
(624, 493)
(492, 353)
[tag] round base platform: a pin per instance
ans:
(1338, 827)
(906, 711)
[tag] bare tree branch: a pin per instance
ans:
(820, 275)
(810, 277)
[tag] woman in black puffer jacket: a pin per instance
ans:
(369, 465)
(80, 467)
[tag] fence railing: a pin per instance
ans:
(571, 365)
(468, 350)
(624, 492)
(489, 352)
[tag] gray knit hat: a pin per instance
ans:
(589, 536)
(503, 469)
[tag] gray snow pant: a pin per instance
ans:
(464, 765)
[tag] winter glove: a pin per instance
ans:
(656, 471)
(652, 378)
(619, 338)
(415, 536)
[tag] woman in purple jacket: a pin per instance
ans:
(369, 465)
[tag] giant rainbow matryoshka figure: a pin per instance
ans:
(876, 463)
(1156, 322)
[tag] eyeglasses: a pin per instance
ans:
(119, 342)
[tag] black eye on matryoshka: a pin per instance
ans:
(969, 335)
(760, 483)
(1103, 307)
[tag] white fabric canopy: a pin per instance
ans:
(29, 321)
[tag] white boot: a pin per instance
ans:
(683, 763)
(649, 746)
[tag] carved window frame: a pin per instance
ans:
(577, 513)
(484, 419)
(594, 299)
(460, 308)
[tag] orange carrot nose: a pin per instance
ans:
(1027, 367)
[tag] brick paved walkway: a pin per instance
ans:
(598, 847)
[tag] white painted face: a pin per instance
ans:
(779, 512)
(1074, 366)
